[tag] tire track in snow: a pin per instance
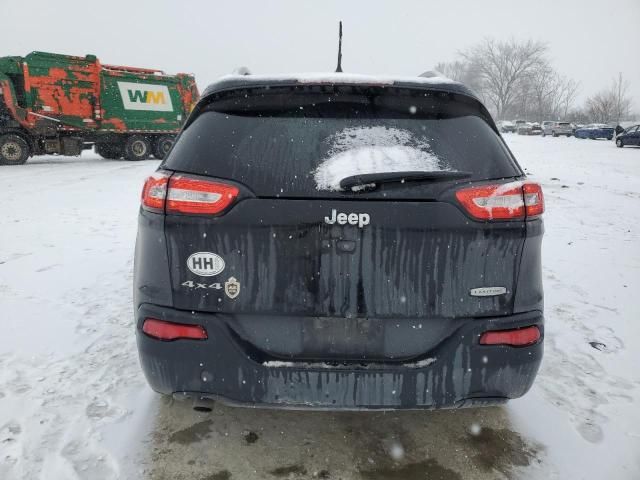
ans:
(65, 402)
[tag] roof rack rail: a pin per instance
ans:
(241, 71)
(431, 74)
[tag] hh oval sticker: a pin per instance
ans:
(205, 264)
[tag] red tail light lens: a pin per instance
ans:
(191, 195)
(185, 194)
(155, 191)
(520, 337)
(167, 331)
(533, 199)
(508, 201)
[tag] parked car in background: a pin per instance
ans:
(527, 128)
(536, 129)
(594, 131)
(522, 127)
(557, 128)
(631, 136)
(505, 126)
(546, 124)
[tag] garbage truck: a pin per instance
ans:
(52, 104)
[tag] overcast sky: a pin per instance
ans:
(589, 40)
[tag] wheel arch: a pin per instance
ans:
(22, 133)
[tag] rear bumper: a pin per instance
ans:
(458, 372)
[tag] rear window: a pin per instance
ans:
(564, 124)
(302, 145)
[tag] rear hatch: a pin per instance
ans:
(304, 268)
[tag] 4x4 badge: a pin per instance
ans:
(232, 287)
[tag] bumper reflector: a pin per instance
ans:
(519, 337)
(167, 331)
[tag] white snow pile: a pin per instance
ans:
(363, 150)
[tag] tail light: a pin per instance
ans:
(533, 199)
(163, 330)
(509, 201)
(520, 337)
(155, 191)
(186, 194)
(191, 195)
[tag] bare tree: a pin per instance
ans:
(463, 72)
(456, 70)
(622, 101)
(601, 106)
(543, 86)
(516, 79)
(567, 92)
(502, 66)
(610, 105)
(577, 115)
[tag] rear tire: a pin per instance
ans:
(162, 145)
(137, 148)
(554, 134)
(14, 150)
(619, 143)
(109, 151)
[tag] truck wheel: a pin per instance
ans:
(161, 146)
(109, 151)
(14, 150)
(137, 147)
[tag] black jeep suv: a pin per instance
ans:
(343, 242)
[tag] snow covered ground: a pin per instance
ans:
(74, 404)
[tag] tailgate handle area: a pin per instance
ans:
(347, 246)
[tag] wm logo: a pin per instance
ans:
(145, 96)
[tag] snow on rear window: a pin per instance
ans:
(374, 149)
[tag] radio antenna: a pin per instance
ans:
(339, 67)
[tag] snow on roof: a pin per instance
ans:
(342, 78)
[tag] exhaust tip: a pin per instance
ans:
(202, 405)
(202, 408)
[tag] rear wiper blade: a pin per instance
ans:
(371, 180)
